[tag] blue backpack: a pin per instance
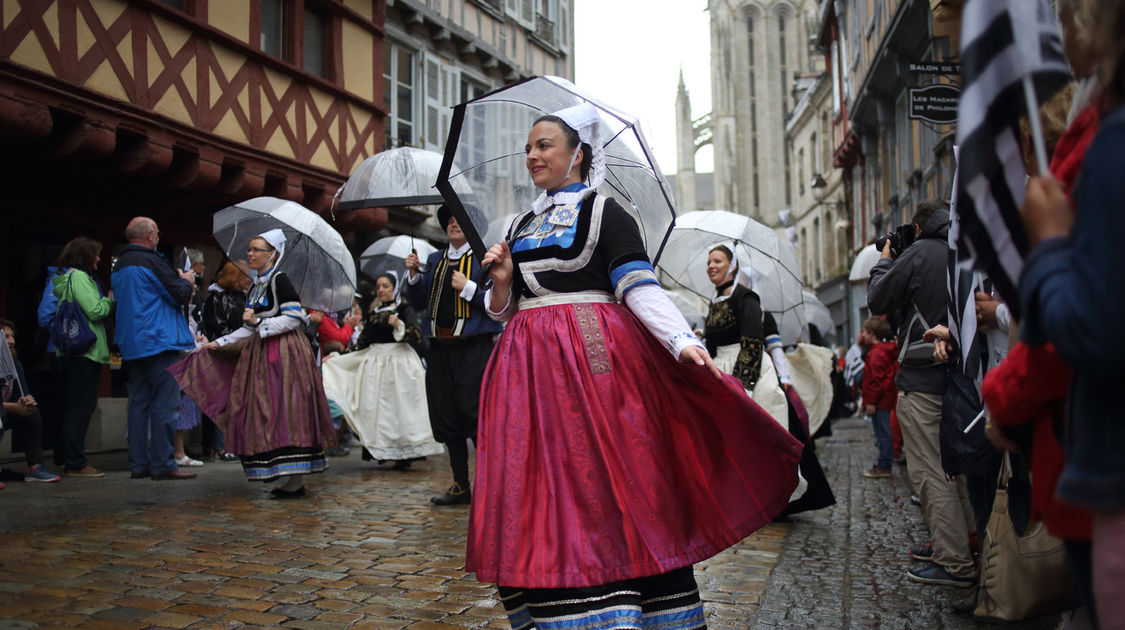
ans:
(70, 332)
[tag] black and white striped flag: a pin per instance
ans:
(1011, 53)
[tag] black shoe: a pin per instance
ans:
(336, 451)
(280, 493)
(915, 500)
(402, 464)
(140, 475)
(934, 574)
(456, 495)
(227, 456)
(966, 605)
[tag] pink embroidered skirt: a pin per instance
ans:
(601, 458)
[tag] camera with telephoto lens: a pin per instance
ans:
(901, 238)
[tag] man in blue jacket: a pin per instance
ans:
(451, 299)
(151, 332)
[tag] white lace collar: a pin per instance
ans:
(567, 195)
(455, 253)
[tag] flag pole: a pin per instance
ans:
(1036, 125)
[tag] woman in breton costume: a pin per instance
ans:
(260, 383)
(381, 387)
(740, 336)
(612, 454)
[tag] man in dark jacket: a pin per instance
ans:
(911, 289)
(450, 296)
(151, 331)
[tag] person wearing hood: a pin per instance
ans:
(911, 291)
(260, 383)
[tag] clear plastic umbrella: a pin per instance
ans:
(817, 314)
(315, 257)
(769, 262)
(389, 254)
(483, 176)
(693, 308)
(397, 177)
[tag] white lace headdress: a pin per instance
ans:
(584, 119)
(276, 239)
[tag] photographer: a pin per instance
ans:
(909, 286)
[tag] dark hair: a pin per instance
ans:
(572, 141)
(7, 323)
(1109, 40)
(878, 326)
(388, 276)
(724, 249)
(926, 209)
(80, 252)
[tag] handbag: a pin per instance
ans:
(70, 332)
(1020, 576)
(917, 353)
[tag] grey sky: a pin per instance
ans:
(628, 53)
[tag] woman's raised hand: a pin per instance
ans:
(502, 268)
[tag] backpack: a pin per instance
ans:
(964, 453)
(70, 332)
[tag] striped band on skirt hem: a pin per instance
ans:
(669, 601)
(281, 462)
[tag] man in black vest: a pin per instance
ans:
(451, 299)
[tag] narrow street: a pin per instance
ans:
(366, 550)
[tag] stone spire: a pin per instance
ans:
(685, 150)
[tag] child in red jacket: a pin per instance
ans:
(880, 395)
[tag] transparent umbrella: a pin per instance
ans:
(817, 314)
(315, 257)
(770, 264)
(396, 177)
(483, 178)
(389, 254)
(693, 308)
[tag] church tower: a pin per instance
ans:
(686, 199)
(758, 47)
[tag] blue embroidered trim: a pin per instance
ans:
(619, 272)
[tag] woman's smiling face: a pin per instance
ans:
(384, 290)
(549, 157)
(259, 254)
(718, 267)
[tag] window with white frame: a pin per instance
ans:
(399, 94)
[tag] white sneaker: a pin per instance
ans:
(188, 461)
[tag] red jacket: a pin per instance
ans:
(879, 367)
(328, 330)
(1030, 386)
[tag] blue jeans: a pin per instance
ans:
(881, 423)
(154, 407)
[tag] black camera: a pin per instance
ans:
(901, 238)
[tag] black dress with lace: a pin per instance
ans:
(739, 319)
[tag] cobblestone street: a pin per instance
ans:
(366, 550)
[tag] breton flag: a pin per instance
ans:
(1011, 54)
(962, 305)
